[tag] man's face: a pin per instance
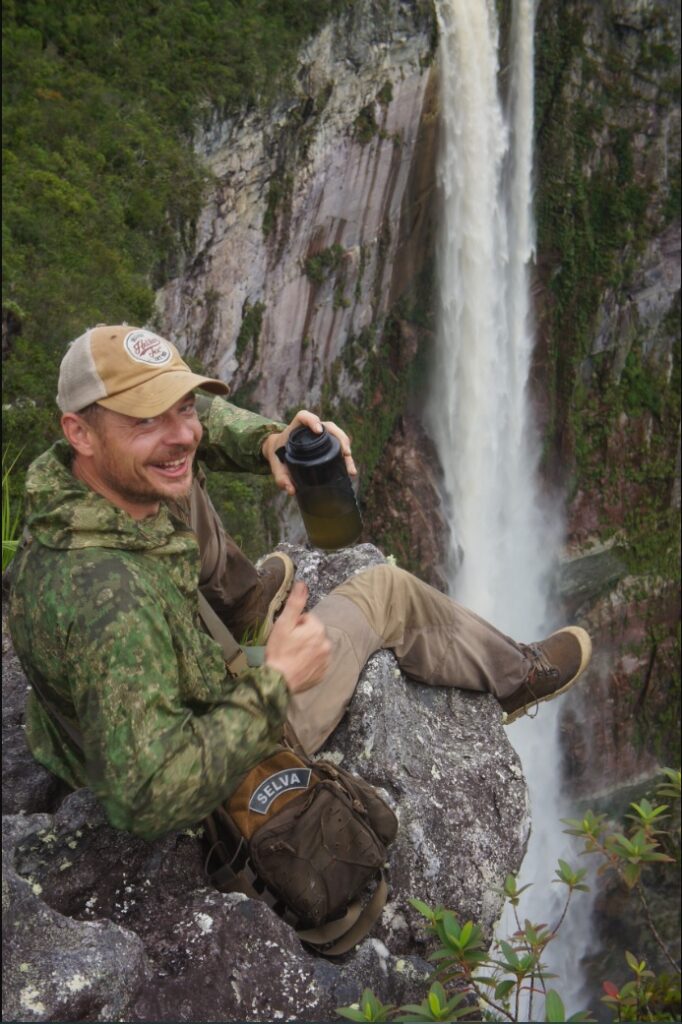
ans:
(138, 462)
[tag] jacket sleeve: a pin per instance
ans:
(232, 436)
(157, 760)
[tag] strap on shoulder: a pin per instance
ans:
(234, 656)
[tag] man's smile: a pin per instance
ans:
(173, 468)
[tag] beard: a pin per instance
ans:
(138, 489)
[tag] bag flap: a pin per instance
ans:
(267, 788)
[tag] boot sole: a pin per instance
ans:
(583, 638)
(280, 595)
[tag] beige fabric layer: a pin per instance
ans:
(435, 639)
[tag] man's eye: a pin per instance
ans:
(147, 422)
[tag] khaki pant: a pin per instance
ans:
(435, 639)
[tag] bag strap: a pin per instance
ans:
(361, 919)
(234, 656)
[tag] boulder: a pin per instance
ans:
(101, 925)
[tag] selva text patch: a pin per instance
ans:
(275, 785)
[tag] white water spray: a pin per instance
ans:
(503, 547)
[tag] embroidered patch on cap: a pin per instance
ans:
(145, 347)
(275, 785)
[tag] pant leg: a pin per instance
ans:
(227, 579)
(435, 639)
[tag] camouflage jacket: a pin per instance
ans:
(104, 619)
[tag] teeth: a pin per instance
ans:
(171, 465)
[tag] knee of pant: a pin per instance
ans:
(382, 577)
(370, 589)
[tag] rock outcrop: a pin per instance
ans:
(100, 925)
(319, 211)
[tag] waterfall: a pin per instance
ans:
(504, 544)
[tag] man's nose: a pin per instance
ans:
(180, 430)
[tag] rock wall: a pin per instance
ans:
(319, 212)
(606, 374)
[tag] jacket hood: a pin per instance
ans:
(62, 512)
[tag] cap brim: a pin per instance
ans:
(156, 395)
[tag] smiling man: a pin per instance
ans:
(130, 695)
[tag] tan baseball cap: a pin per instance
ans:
(127, 369)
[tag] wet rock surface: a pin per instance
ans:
(100, 925)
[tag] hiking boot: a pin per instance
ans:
(556, 663)
(252, 619)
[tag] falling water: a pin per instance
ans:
(504, 544)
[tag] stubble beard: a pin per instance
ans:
(142, 493)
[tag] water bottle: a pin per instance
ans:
(323, 488)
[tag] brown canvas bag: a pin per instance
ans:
(308, 838)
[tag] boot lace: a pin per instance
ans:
(540, 668)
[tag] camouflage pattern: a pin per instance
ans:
(104, 618)
(232, 437)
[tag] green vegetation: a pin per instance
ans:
(279, 197)
(472, 979)
(614, 419)
(365, 126)
(10, 517)
(249, 332)
(325, 263)
(245, 504)
(102, 186)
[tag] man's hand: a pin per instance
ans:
(302, 419)
(298, 646)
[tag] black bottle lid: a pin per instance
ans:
(308, 448)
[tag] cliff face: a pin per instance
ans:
(319, 215)
(608, 364)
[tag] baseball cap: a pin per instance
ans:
(127, 369)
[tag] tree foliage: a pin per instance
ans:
(102, 186)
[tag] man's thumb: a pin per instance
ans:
(296, 602)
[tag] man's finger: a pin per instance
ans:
(282, 476)
(296, 602)
(345, 446)
(310, 420)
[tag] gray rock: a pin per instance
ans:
(56, 968)
(102, 925)
(587, 576)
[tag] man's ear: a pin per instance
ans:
(78, 433)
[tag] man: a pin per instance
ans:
(131, 696)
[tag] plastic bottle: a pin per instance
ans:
(323, 488)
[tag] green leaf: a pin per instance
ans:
(423, 908)
(633, 963)
(631, 873)
(436, 997)
(451, 929)
(504, 988)
(350, 1014)
(509, 955)
(554, 1007)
